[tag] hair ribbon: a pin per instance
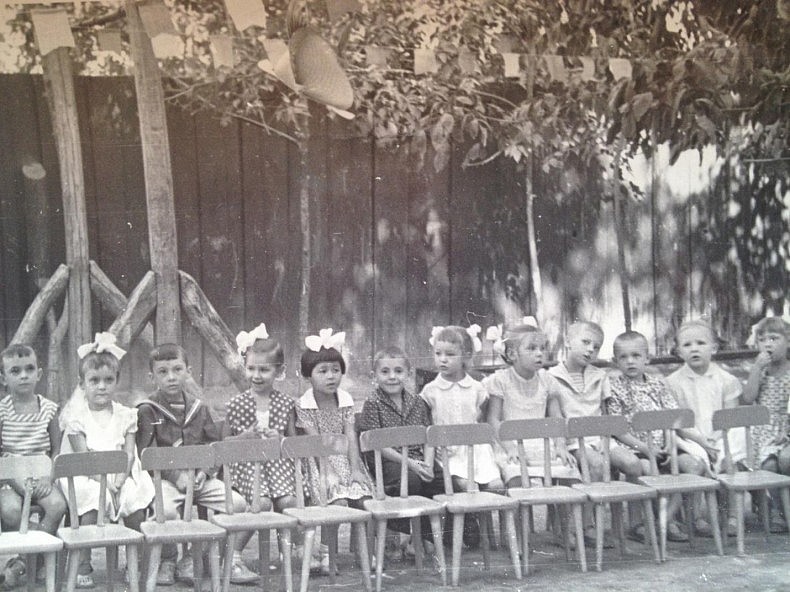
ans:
(245, 340)
(327, 339)
(102, 342)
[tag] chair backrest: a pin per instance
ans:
(544, 429)
(94, 464)
(316, 447)
(666, 421)
(465, 434)
(402, 437)
(604, 426)
(743, 416)
(256, 451)
(26, 469)
(180, 458)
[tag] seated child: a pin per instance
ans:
(454, 397)
(325, 408)
(170, 417)
(524, 390)
(637, 390)
(704, 387)
(392, 405)
(28, 427)
(91, 420)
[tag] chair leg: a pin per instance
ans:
(564, 530)
(740, 518)
(111, 553)
(50, 565)
(663, 504)
(617, 526)
(458, 542)
(650, 526)
(309, 539)
(713, 516)
(197, 564)
(525, 528)
(332, 548)
(72, 565)
(765, 511)
(416, 541)
(132, 567)
(600, 512)
(213, 564)
(381, 536)
(784, 493)
(227, 564)
(578, 522)
(485, 542)
(512, 540)
(30, 568)
(364, 557)
(154, 558)
(264, 552)
(438, 545)
(688, 507)
(285, 540)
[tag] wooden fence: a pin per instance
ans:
(395, 249)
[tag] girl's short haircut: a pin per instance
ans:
(515, 336)
(17, 350)
(167, 352)
(270, 348)
(311, 359)
(629, 337)
(95, 360)
(457, 336)
(773, 325)
(391, 352)
(579, 325)
(696, 324)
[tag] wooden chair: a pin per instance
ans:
(669, 421)
(320, 513)
(549, 495)
(473, 500)
(257, 452)
(615, 493)
(25, 541)
(408, 506)
(160, 531)
(757, 480)
(102, 534)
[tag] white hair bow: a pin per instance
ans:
(473, 331)
(496, 333)
(102, 342)
(245, 340)
(530, 321)
(325, 339)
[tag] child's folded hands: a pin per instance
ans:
(422, 469)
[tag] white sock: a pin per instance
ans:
(236, 556)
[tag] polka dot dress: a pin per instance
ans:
(277, 476)
(774, 393)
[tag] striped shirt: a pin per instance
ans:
(26, 434)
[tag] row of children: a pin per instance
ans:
(92, 420)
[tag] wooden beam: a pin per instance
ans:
(158, 178)
(139, 308)
(57, 388)
(63, 108)
(36, 212)
(211, 328)
(37, 311)
(108, 294)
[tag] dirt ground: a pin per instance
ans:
(766, 567)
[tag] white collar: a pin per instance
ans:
(444, 384)
(307, 400)
(689, 373)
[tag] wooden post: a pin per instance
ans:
(63, 108)
(36, 211)
(158, 179)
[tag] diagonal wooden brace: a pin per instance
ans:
(139, 308)
(114, 301)
(37, 311)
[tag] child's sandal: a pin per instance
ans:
(85, 581)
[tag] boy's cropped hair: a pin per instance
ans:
(697, 324)
(391, 352)
(96, 360)
(17, 350)
(629, 337)
(311, 359)
(167, 352)
(771, 325)
(577, 326)
(270, 348)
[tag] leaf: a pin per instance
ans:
(441, 131)
(641, 104)
(474, 154)
(441, 159)
(707, 126)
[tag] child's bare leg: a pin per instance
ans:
(783, 461)
(691, 465)
(85, 554)
(629, 464)
(595, 465)
(54, 506)
(134, 520)
(10, 509)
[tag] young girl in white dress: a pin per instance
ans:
(92, 421)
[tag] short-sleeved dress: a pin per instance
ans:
(774, 393)
(332, 421)
(138, 489)
(242, 412)
(26, 434)
(458, 403)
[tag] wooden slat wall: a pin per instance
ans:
(395, 248)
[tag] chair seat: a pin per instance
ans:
(475, 501)
(667, 484)
(174, 531)
(92, 535)
(403, 507)
(547, 495)
(749, 480)
(34, 541)
(558, 473)
(615, 491)
(318, 515)
(246, 521)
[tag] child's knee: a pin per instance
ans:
(783, 461)
(53, 504)
(286, 501)
(690, 465)
(10, 510)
